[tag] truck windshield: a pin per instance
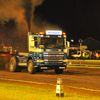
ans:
(51, 43)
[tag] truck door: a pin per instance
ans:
(32, 42)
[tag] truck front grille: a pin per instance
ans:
(53, 57)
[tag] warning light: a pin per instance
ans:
(64, 33)
(4, 46)
(49, 55)
(10, 47)
(57, 55)
(41, 33)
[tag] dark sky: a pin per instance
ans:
(78, 18)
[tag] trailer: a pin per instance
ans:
(46, 50)
(5, 52)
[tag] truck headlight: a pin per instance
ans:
(40, 61)
(65, 60)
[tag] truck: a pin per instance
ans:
(46, 50)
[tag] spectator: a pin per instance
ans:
(96, 55)
(83, 55)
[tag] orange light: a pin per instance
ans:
(4, 47)
(53, 46)
(64, 33)
(65, 60)
(10, 47)
(10, 52)
(42, 33)
(57, 55)
(40, 61)
(49, 55)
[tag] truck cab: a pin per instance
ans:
(47, 50)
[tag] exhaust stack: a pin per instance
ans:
(29, 33)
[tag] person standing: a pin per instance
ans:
(96, 55)
(83, 55)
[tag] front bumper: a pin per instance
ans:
(52, 64)
(51, 67)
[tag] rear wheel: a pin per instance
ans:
(30, 67)
(58, 71)
(13, 64)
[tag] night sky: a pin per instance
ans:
(78, 18)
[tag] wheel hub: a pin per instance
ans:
(29, 67)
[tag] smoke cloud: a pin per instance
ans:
(16, 19)
(19, 10)
(42, 25)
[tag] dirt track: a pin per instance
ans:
(83, 81)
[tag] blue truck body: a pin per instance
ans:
(47, 50)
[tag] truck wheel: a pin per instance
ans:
(58, 71)
(13, 64)
(30, 67)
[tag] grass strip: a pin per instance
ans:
(19, 92)
(83, 66)
(90, 60)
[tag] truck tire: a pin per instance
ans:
(30, 67)
(58, 71)
(13, 64)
